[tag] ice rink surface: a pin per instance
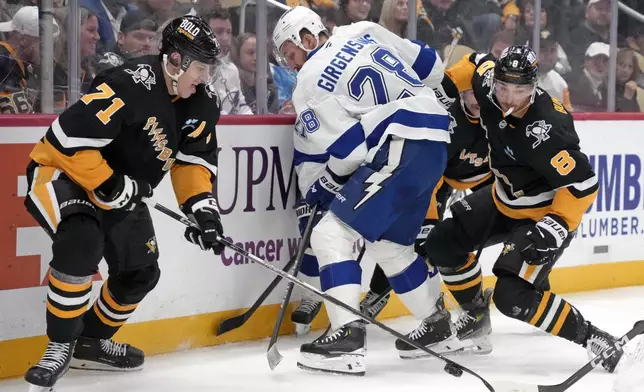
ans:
(521, 353)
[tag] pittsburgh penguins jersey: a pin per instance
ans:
(14, 96)
(129, 124)
(467, 153)
(536, 159)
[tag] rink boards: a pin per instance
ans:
(256, 191)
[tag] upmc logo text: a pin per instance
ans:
(250, 169)
(619, 207)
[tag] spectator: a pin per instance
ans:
(109, 14)
(204, 7)
(393, 16)
(510, 15)
(162, 11)
(628, 95)
(329, 18)
(595, 28)
(19, 59)
(137, 37)
(549, 79)
(244, 55)
(636, 42)
(314, 4)
(227, 84)
(352, 11)
(437, 21)
(89, 38)
(587, 91)
(500, 41)
(483, 20)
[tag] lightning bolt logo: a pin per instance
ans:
(375, 180)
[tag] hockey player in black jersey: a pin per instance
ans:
(543, 185)
(467, 168)
(87, 178)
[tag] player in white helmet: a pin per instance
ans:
(370, 145)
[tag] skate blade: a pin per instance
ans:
(302, 329)
(346, 365)
(481, 346)
(36, 388)
(446, 346)
(83, 364)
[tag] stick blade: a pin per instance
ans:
(511, 386)
(273, 356)
(231, 323)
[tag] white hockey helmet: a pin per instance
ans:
(289, 26)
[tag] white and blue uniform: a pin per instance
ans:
(369, 122)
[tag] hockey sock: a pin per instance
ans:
(310, 273)
(67, 300)
(545, 310)
(465, 283)
(107, 315)
(379, 282)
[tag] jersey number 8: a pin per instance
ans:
(307, 122)
(563, 162)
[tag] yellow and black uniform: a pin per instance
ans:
(13, 84)
(543, 184)
(128, 124)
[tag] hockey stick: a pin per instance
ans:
(510, 386)
(237, 321)
(451, 367)
(272, 353)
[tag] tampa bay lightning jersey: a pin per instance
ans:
(360, 86)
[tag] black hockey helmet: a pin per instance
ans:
(518, 65)
(193, 38)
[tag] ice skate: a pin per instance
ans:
(106, 355)
(373, 303)
(304, 315)
(52, 366)
(340, 352)
(474, 327)
(435, 332)
(597, 341)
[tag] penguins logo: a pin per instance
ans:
(143, 74)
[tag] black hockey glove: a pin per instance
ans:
(542, 242)
(121, 192)
(421, 238)
(202, 209)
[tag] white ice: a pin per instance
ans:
(521, 353)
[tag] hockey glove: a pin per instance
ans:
(542, 242)
(323, 190)
(202, 209)
(421, 238)
(121, 192)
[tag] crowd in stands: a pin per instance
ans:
(573, 55)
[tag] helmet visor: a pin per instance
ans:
(202, 73)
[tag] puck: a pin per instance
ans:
(453, 370)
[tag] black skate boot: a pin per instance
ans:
(340, 352)
(304, 315)
(596, 341)
(473, 326)
(52, 366)
(373, 303)
(106, 354)
(436, 332)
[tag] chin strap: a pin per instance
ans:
(174, 78)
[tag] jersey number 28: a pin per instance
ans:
(374, 75)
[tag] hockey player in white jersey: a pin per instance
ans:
(364, 109)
